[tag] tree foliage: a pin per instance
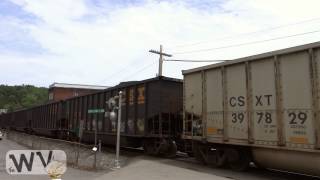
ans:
(20, 97)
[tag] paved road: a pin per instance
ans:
(140, 167)
(6, 145)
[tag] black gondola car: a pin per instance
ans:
(45, 119)
(41, 120)
(151, 116)
(5, 120)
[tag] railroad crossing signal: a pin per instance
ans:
(112, 106)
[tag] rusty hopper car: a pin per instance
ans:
(12, 120)
(2, 120)
(151, 115)
(42, 120)
(45, 119)
(263, 108)
(5, 120)
(18, 120)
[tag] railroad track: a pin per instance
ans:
(253, 170)
(184, 161)
(193, 164)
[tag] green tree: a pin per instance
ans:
(20, 97)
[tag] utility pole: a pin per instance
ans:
(161, 53)
(117, 162)
(112, 106)
(160, 62)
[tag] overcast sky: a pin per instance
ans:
(107, 41)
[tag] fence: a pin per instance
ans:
(78, 155)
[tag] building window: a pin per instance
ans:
(51, 96)
(75, 93)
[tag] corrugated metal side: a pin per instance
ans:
(268, 102)
(163, 108)
(108, 125)
(255, 57)
(141, 109)
(19, 120)
(153, 100)
(132, 94)
(43, 117)
(6, 119)
(193, 105)
(214, 103)
(2, 121)
(237, 121)
(149, 108)
(315, 62)
(264, 102)
(297, 100)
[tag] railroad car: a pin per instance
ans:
(18, 120)
(40, 120)
(151, 116)
(2, 126)
(262, 108)
(46, 120)
(5, 120)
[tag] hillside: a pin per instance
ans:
(19, 97)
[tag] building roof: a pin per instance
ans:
(77, 86)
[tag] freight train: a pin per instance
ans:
(263, 109)
(151, 116)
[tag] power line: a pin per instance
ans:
(248, 33)
(117, 72)
(185, 60)
(140, 70)
(247, 43)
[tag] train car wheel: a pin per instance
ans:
(200, 152)
(217, 157)
(149, 147)
(238, 160)
(171, 150)
(190, 154)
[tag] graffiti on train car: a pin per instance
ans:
(141, 96)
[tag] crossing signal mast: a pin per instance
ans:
(161, 53)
